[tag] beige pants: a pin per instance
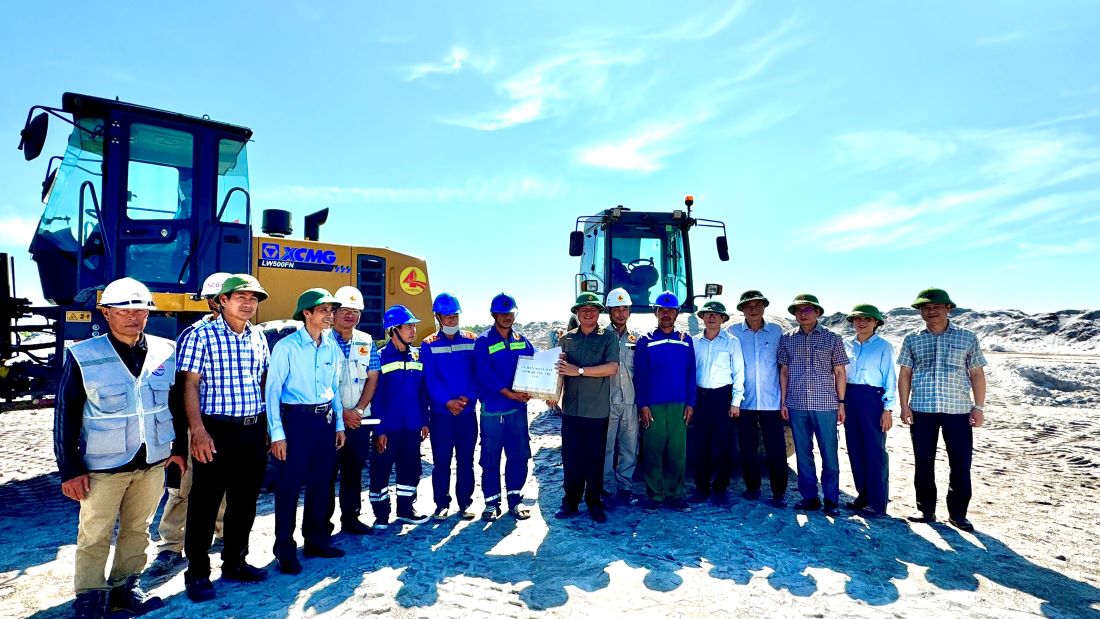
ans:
(174, 516)
(131, 499)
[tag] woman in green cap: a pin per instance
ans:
(870, 399)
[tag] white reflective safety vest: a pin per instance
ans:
(123, 412)
(353, 370)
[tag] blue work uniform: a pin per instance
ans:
(503, 421)
(304, 409)
(449, 375)
(401, 405)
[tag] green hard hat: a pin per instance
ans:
(587, 299)
(933, 295)
(242, 282)
(716, 307)
(806, 299)
(751, 295)
(866, 310)
(311, 299)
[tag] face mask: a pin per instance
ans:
(449, 330)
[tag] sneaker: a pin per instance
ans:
(720, 499)
(90, 604)
(680, 505)
(961, 523)
(199, 589)
(831, 509)
(323, 552)
(290, 565)
(165, 563)
(624, 497)
(412, 518)
(382, 523)
(650, 506)
(466, 513)
(243, 572)
(566, 511)
(520, 511)
(441, 513)
(129, 598)
(354, 527)
(808, 505)
(921, 517)
(699, 497)
(597, 514)
(491, 513)
(751, 495)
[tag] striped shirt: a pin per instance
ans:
(231, 365)
(941, 364)
(873, 365)
(810, 359)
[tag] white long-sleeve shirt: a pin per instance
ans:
(719, 362)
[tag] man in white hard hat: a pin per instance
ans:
(621, 454)
(174, 515)
(358, 373)
(113, 437)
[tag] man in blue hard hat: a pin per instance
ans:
(401, 405)
(448, 357)
(503, 411)
(305, 419)
(664, 387)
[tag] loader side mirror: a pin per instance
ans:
(576, 243)
(723, 248)
(33, 137)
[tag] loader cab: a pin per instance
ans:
(645, 253)
(157, 196)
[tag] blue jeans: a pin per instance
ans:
(504, 434)
(805, 425)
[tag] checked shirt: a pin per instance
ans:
(941, 364)
(810, 359)
(231, 366)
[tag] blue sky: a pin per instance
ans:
(859, 151)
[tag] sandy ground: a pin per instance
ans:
(1036, 506)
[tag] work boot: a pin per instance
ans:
(130, 598)
(90, 604)
(166, 562)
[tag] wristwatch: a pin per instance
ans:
(580, 371)
(980, 409)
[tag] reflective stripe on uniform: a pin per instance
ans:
(499, 346)
(402, 365)
(517, 345)
(495, 497)
(659, 342)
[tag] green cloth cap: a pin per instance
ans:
(752, 295)
(242, 282)
(587, 299)
(805, 299)
(311, 299)
(866, 310)
(933, 295)
(716, 307)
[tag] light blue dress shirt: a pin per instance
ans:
(761, 366)
(873, 364)
(718, 363)
(301, 372)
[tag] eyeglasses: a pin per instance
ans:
(808, 309)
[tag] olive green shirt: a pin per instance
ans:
(586, 396)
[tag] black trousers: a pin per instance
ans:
(310, 457)
(715, 439)
(583, 441)
(770, 424)
(349, 467)
(403, 454)
(235, 473)
(958, 437)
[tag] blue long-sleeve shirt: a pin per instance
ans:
(302, 372)
(873, 364)
(495, 360)
(449, 369)
(761, 368)
(401, 400)
(664, 369)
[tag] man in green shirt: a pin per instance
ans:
(590, 356)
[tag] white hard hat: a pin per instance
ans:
(618, 297)
(127, 292)
(350, 297)
(212, 285)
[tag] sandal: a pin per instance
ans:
(491, 513)
(520, 512)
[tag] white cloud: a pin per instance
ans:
(641, 152)
(16, 231)
(879, 149)
(451, 63)
(1044, 205)
(703, 26)
(1052, 250)
(496, 190)
(1000, 39)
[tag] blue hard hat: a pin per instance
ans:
(398, 315)
(667, 300)
(446, 304)
(502, 304)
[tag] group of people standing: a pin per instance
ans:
(210, 408)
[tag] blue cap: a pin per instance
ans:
(503, 304)
(398, 315)
(667, 300)
(446, 304)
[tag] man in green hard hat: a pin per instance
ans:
(941, 365)
(589, 357)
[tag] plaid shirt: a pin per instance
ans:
(232, 367)
(941, 364)
(374, 363)
(810, 359)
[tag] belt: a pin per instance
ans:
(313, 409)
(249, 420)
